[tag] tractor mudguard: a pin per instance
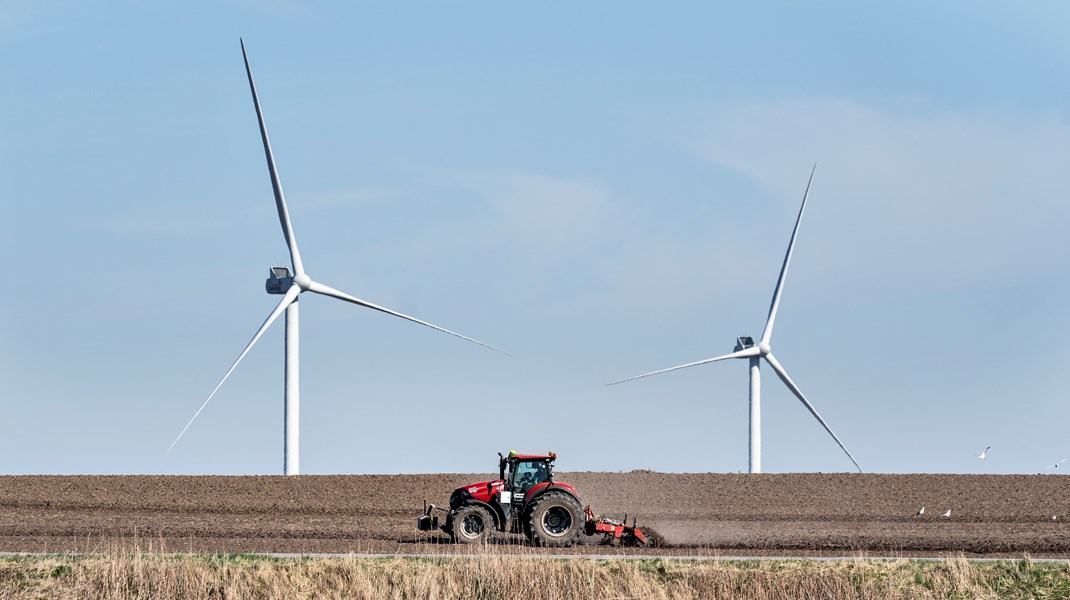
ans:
(546, 486)
(494, 509)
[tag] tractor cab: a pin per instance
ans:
(522, 472)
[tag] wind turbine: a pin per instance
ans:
(290, 287)
(746, 348)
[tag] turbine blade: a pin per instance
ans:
(744, 353)
(287, 300)
(798, 393)
(775, 304)
(325, 290)
(276, 185)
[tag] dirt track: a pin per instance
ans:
(733, 514)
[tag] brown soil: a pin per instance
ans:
(695, 513)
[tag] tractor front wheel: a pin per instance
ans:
(472, 525)
(555, 520)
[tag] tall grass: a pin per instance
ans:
(153, 575)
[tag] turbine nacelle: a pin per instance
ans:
(278, 281)
(743, 342)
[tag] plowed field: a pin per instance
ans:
(695, 513)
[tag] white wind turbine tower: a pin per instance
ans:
(290, 287)
(746, 348)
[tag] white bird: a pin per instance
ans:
(983, 455)
(1054, 517)
(1055, 466)
(947, 513)
(921, 511)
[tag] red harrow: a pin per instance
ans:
(613, 530)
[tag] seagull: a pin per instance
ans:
(921, 511)
(1056, 465)
(984, 454)
(1054, 517)
(947, 513)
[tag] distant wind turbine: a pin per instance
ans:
(281, 282)
(746, 348)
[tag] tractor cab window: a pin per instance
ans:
(529, 473)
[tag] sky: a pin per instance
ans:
(601, 189)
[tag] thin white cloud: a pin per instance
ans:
(171, 218)
(580, 234)
(314, 201)
(290, 9)
(938, 198)
(903, 202)
(552, 212)
(150, 226)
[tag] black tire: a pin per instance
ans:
(472, 525)
(555, 520)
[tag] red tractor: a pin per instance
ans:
(525, 499)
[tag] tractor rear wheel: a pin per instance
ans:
(555, 520)
(472, 525)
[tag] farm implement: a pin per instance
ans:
(526, 499)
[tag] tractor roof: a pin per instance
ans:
(514, 456)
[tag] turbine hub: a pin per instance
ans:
(303, 281)
(764, 348)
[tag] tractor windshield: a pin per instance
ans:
(528, 473)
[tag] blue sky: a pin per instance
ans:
(601, 190)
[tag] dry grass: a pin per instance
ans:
(153, 575)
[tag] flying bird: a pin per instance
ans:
(947, 513)
(1055, 466)
(1055, 517)
(983, 455)
(921, 511)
